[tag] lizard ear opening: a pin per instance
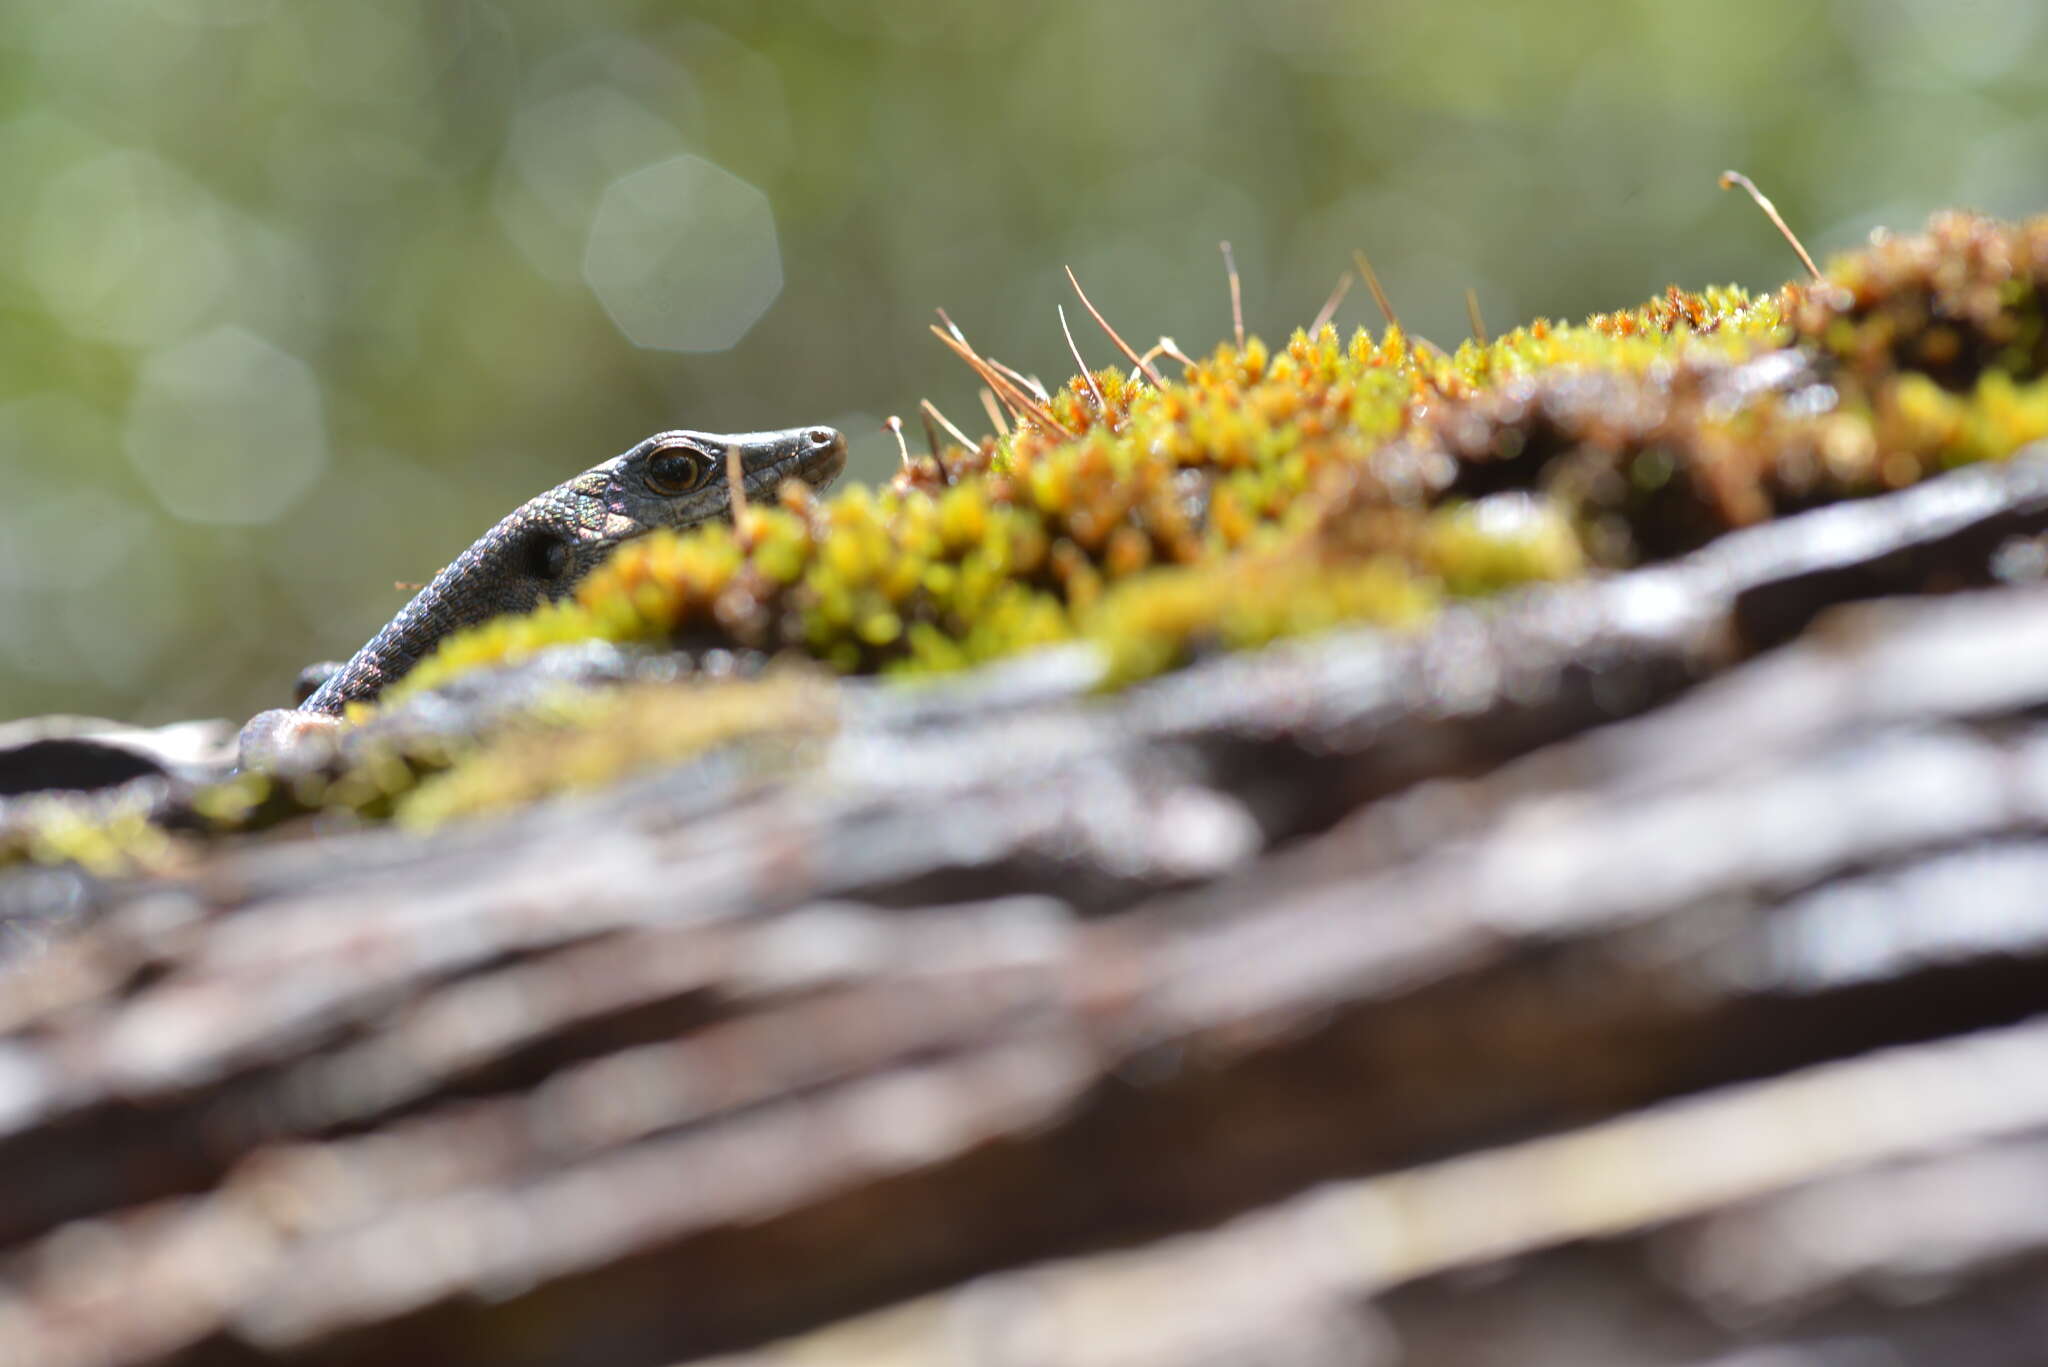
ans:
(547, 557)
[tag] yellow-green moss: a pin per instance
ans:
(588, 741)
(1967, 296)
(1156, 621)
(1261, 492)
(1475, 549)
(103, 838)
(1024, 540)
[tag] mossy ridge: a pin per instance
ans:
(587, 741)
(577, 741)
(1362, 562)
(108, 838)
(1024, 539)
(1930, 349)
(1265, 493)
(1932, 344)
(1967, 296)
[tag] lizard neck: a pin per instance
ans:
(545, 546)
(495, 575)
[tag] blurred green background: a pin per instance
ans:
(298, 298)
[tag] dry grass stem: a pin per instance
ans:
(1472, 312)
(995, 412)
(1020, 402)
(736, 490)
(932, 412)
(1101, 405)
(1031, 383)
(1372, 282)
(1121, 344)
(1329, 308)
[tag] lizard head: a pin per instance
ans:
(672, 479)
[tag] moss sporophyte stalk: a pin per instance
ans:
(1260, 492)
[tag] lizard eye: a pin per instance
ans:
(676, 470)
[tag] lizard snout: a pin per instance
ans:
(822, 457)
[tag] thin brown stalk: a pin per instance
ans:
(1733, 178)
(736, 489)
(1121, 344)
(1017, 399)
(1169, 347)
(894, 426)
(1031, 383)
(995, 412)
(1329, 308)
(1021, 383)
(1236, 295)
(931, 409)
(1472, 312)
(1101, 404)
(1372, 282)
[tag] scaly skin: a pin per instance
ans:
(540, 551)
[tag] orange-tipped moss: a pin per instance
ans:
(1613, 433)
(1965, 297)
(1613, 429)
(1261, 492)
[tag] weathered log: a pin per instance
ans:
(1883, 1209)
(1003, 972)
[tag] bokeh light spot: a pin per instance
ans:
(226, 428)
(564, 151)
(683, 255)
(127, 249)
(214, 13)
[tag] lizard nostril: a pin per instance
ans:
(822, 437)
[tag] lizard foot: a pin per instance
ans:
(311, 677)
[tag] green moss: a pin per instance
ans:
(1154, 622)
(107, 839)
(1262, 492)
(1077, 523)
(1500, 543)
(584, 742)
(1917, 420)
(1026, 539)
(1964, 297)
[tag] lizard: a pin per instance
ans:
(539, 551)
